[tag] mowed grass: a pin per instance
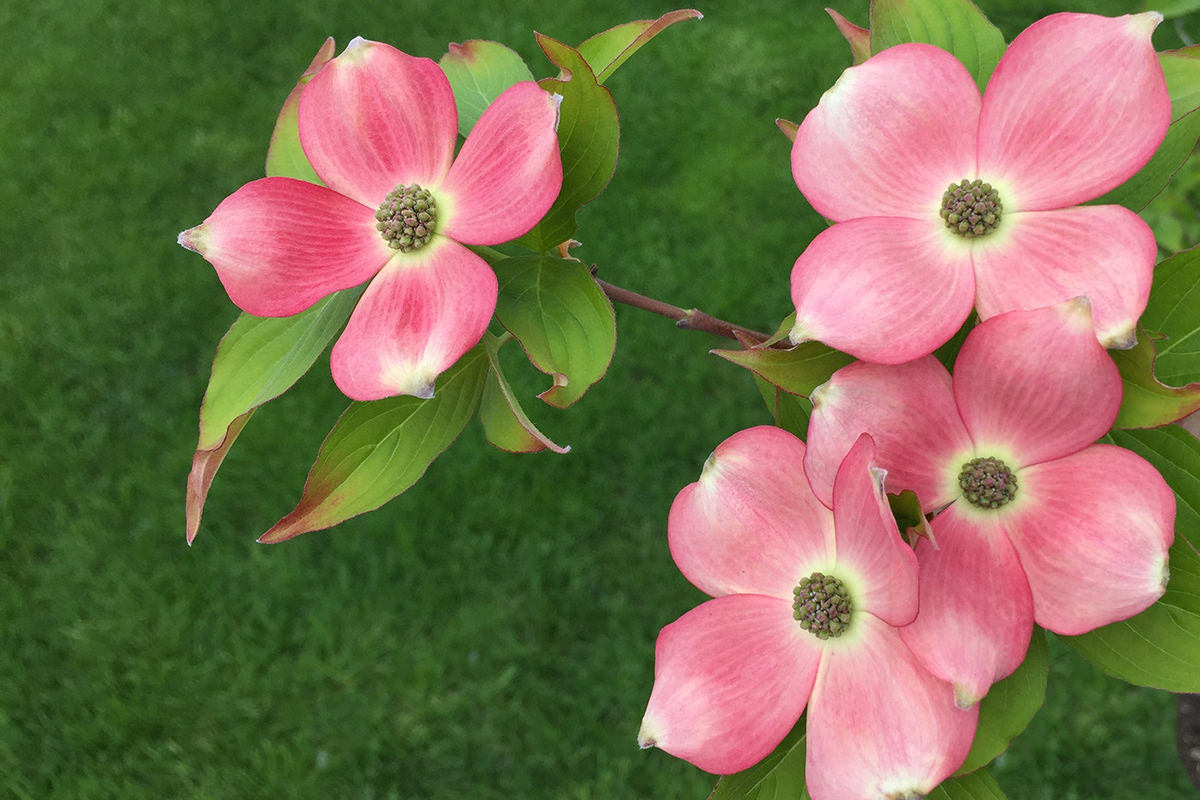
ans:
(490, 633)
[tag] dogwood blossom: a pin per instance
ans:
(805, 603)
(379, 128)
(1035, 522)
(943, 200)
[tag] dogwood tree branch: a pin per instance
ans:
(691, 319)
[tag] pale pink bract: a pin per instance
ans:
(370, 120)
(1077, 105)
(1083, 540)
(733, 675)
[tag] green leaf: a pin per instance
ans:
(259, 359)
(788, 411)
(376, 450)
(1161, 646)
(858, 37)
(957, 26)
(285, 157)
(906, 508)
(976, 786)
(1174, 311)
(505, 423)
(608, 50)
(1182, 71)
(779, 776)
(799, 370)
(1009, 705)
(1147, 402)
(562, 319)
(479, 71)
(588, 136)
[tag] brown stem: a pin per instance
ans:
(691, 319)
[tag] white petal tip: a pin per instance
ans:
(963, 699)
(1121, 338)
(188, 239)
(1146, 22)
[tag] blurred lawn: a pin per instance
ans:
(489, 634)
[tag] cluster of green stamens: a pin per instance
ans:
(407, 218)
(987, 482)
(971, 208)
(822, 605)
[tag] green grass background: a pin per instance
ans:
(490, 633)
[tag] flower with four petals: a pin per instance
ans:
(1035, 522)
(805, 603)
(379, 128)
(942, 200)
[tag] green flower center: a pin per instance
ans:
(971, 208)
(406, 218)
(987, 482)
(822, 605)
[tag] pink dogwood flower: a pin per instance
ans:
(379, 128)
(805, 600)
(1039, 523)
(942, 200)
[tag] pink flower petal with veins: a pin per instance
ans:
(421, 313)
(1075, 107)
(1092, 532)
(731, 677)
(908, 410)
(279, 245)
(508, 172)
(869, 546)
(976, 614)
(1104, 253)
(751, 524)
(375, 117)
(883, 289)
(889, 137)
(1036, 383)
(879, 725)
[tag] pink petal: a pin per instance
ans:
(869, 548)
(1076, 106)
(879, 725)
(976, 613)
(375, 117)
(1104, 253)
(509, 171)
(280, 245)
(1036, 385)
(731, 678)
(418, 316)
(908, 410)
(751, 523)
(883, 289)
(889, 137)
(1093, 537)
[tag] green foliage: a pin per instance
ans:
(561, 318)
(505, 423)
(779, 776)
(1009, 705)
(798, 370)
(588, 136)
(976, 786)
(957, 26)
(1160, 647)
(479, 71)
(608, 50)
(379, 449)
(1147, 402)
(285, 156)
